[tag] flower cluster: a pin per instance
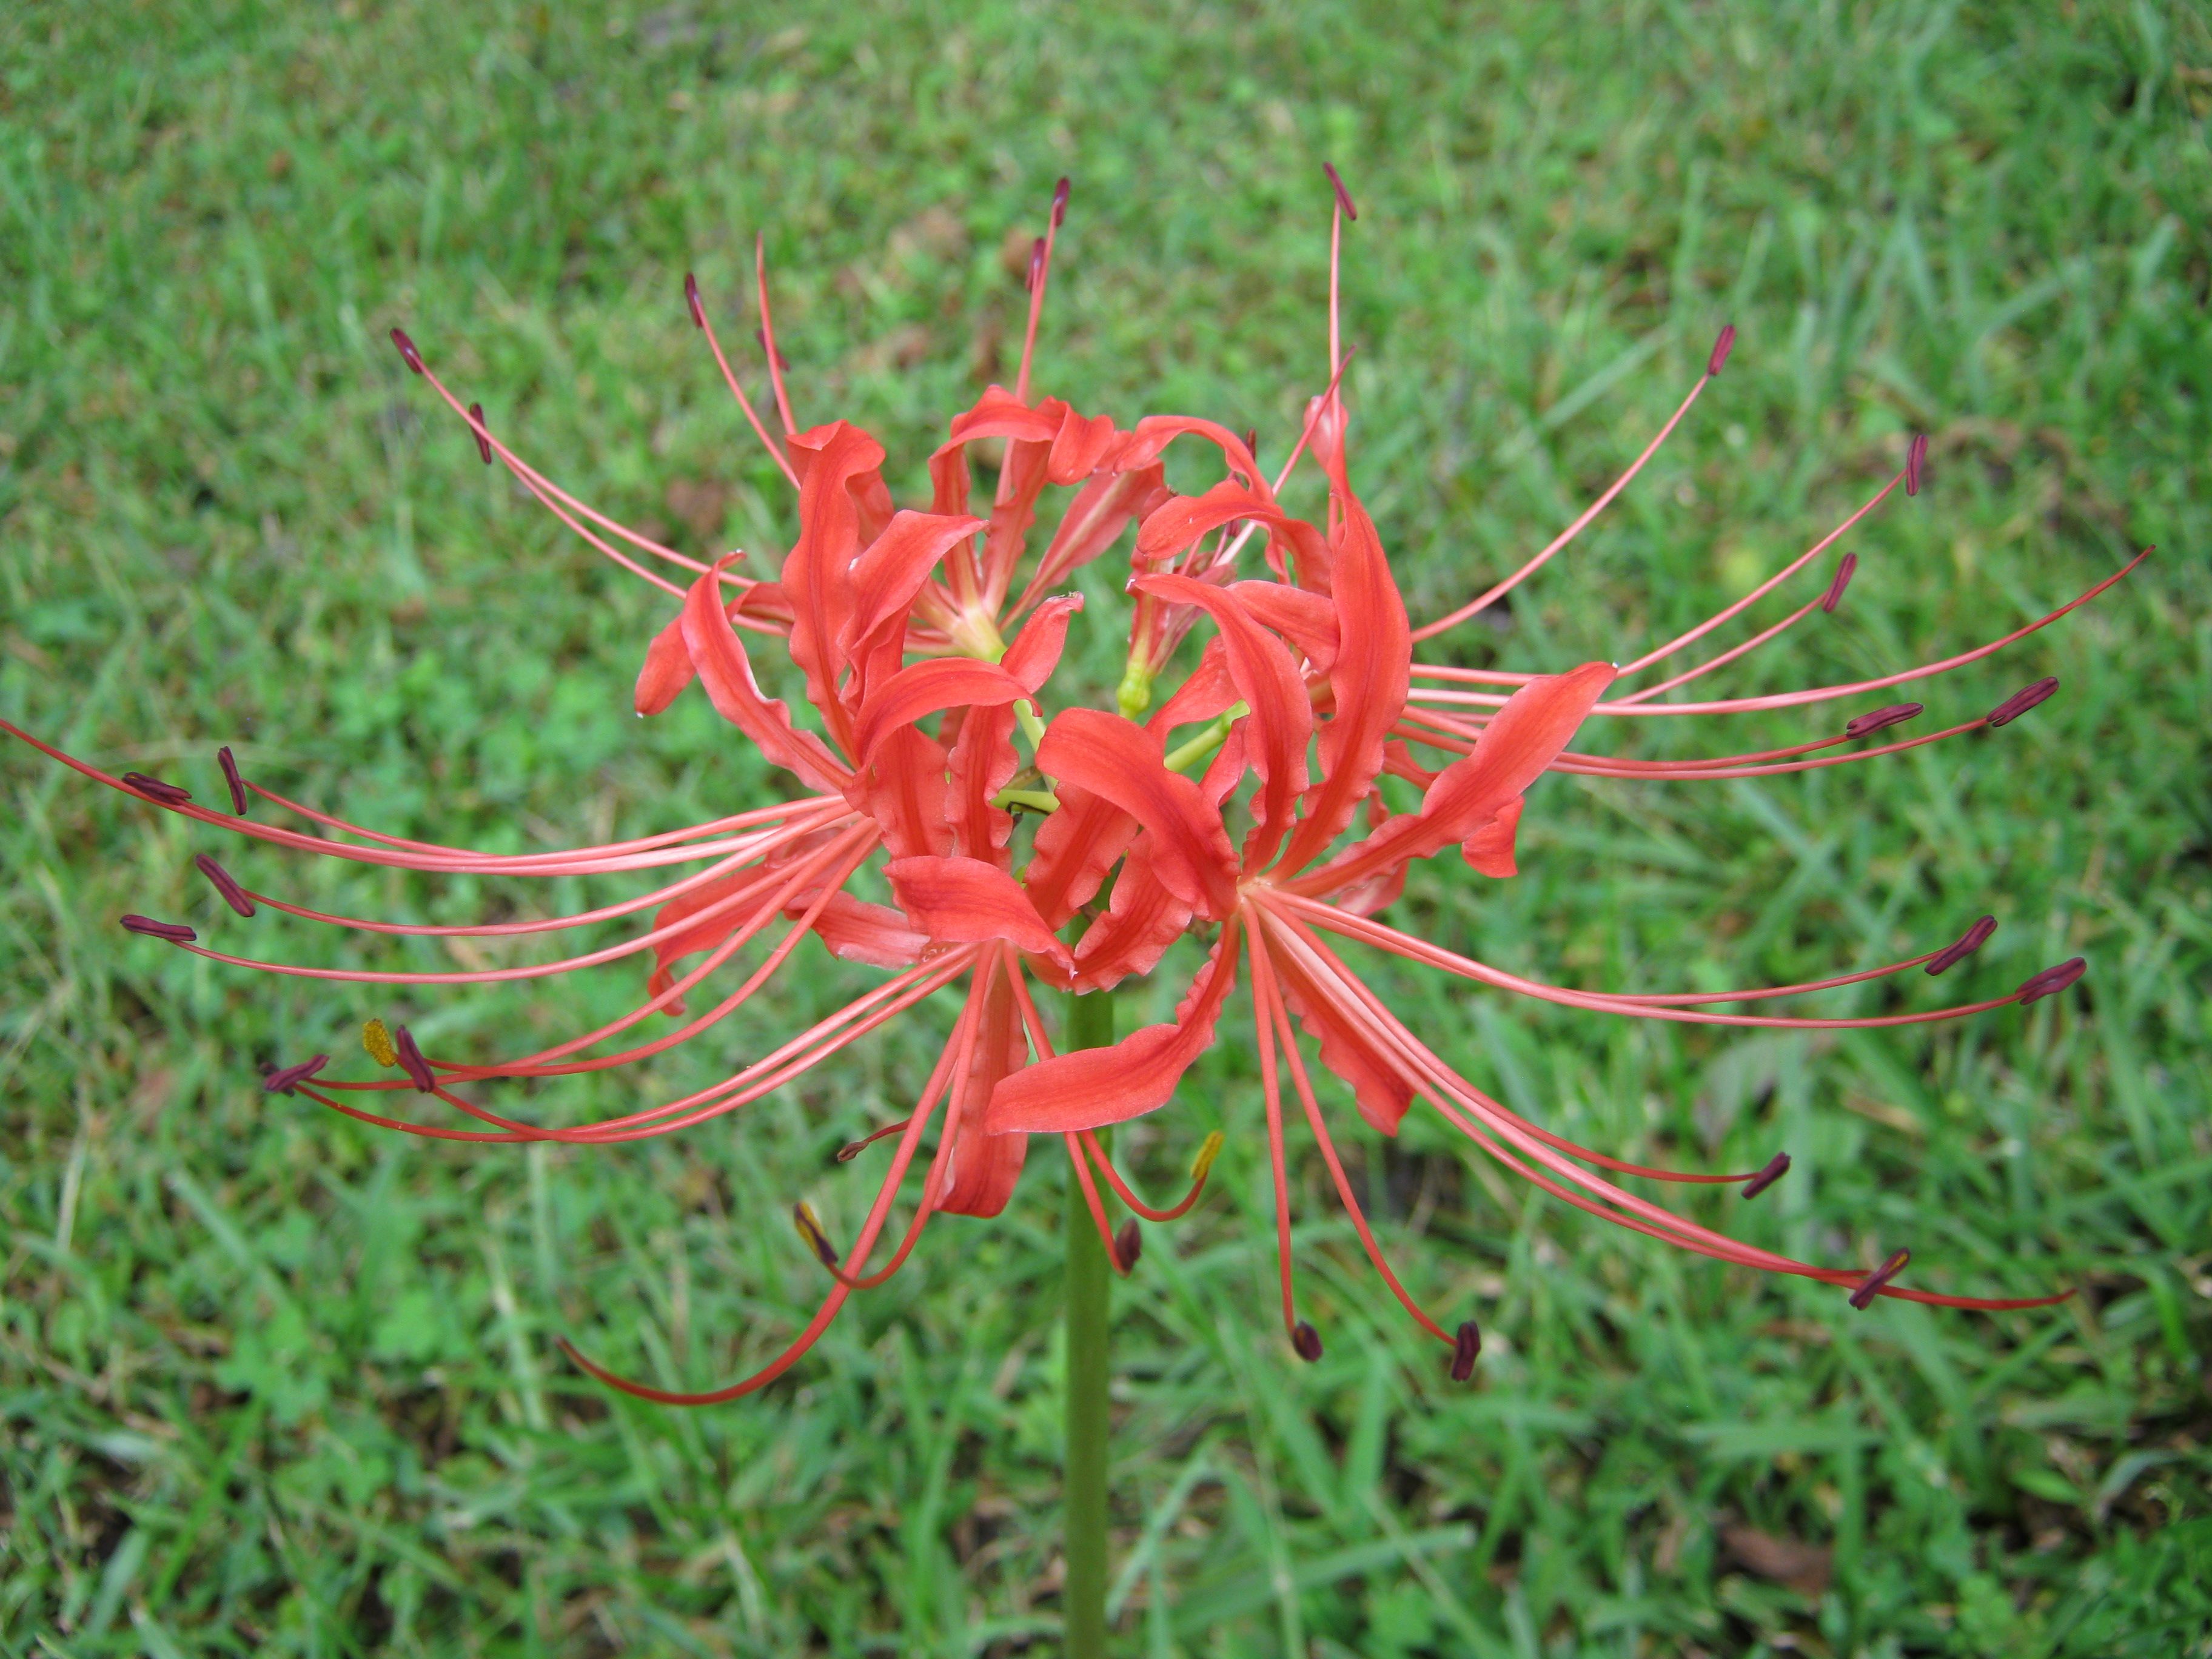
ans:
(1247, 806)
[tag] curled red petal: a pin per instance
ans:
(1035, 650)
(922, 688)
(965, 900)
(1490, 848)
(727, 674)
(1120, 760)
(1094, 1087)
(667, 669)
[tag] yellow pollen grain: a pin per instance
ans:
(378, 1042)
(809, 1228)
(1204, 1162)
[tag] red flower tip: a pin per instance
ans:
(1128, 1245)
(1895, 713)
(228, 762)
(169, 794)
(1880, 1276)
(175, 932)
(1037, 265)
(1849, 564)
(691, 299)
(1916, 464)
(411, 1061)
(1969, 942)
(1344, 201)
(232, 894)
(407, 350)
(1721, 347)
(1059, 203)
(1465, 1347)
(1304, 1337)
(1776, 1167)
(2050, 980)
(810, 1228)
(2023, 700)
(285, 1079)
(476, 427)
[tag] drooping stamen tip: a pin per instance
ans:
(1466, 1346)
(2050, 980)
(175, 932)
(1834, 596)
(1722, 346)
(1776, 1167)
(377, 1041)
(2023, 700)
(1895, 713)
(1060, 203)
(1200, 1165)
(691, 299)
(1304, 1337)
(221, 880)
(1128, 1245)
(1968, 942)
(1037, 265)
(225, 759)
(411, 1062)
(1916, 464)
(407, 349)
(285, 1079)
(1872, 1284)
(169, 794)
(850, 1150)
(477, 429)
(783, 362)
(810, 1228)
(1343, 196)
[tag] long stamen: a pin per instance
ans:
(715, 344)
(768, 337)
(1040, 272)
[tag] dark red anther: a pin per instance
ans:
(1467, 1346)
(1251, 442)
(407, 350)
(1059, 203)
(2023, 700)
(175, 932)
(2050, 980)
(1344, 201)
(476, 425)
(285, 1079)
(1916, 464)
(1037, 265)
(232, 894)
(1835, 594)
(1128, 1245)
(802, 1217)
(691, 299)
(1776, 1167)
(783, 362)
(1880, 1276)
(1721, 347)
(1969, 942)
(1895, 713)
(1304, 1337)
(411, 1062)
(851, 1150)
(228, 762)
(169, 794)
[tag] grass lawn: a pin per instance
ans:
(274, 1382)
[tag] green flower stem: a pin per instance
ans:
(1090, 1026)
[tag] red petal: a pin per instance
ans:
(1383, 1093)
(667, 669)
(921, 688)
(1281, 722)
(1490, 849)
(727, 674)
(1093, 521)
(1094, 1087)
(967, 902)
(886, 578)
(983, 762)
(1141, 921)
(984, 1167)
(1307, 620)
(1075, 848)
(1119, 760)
(858, 931)
(1368, 681)
(1207, 693)
(817, 575)
(1037, 649)
(904, 789)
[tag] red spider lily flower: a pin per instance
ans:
(926, 643)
